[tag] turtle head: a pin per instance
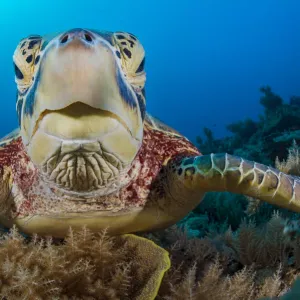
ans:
(81, 106)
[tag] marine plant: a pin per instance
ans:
(292, 164)
(83, 266)
(249, 263)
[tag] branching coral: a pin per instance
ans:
(251, 263)
(84, 266)
(269, 100)
(292, 164)
(213, 285)
(245, 129)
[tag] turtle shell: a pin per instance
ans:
(154, 123)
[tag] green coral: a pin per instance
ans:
(261, 140)
(244, 129)
(269, 100)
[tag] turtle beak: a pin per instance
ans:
(80, 70)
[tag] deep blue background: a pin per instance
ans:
(205, 59)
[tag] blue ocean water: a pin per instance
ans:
(206, 59)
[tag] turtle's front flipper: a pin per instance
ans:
(189, 177)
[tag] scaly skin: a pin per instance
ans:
(191, 177)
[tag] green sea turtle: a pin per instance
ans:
(87, 153)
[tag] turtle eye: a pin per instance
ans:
(141, 66)
(18, 73)
(25, 60)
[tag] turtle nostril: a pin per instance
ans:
(64, 39)
(88, 38)
(77, 34)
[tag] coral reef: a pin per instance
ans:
(84, 266)
(292, 164)
(251, 263)
(261, 140)
(269, 100)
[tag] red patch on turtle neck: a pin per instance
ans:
(157, 148)
(14, 156)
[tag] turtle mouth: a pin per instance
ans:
(79, 121)
(82, 149)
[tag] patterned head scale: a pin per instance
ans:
(26, 57)
(133, 63)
